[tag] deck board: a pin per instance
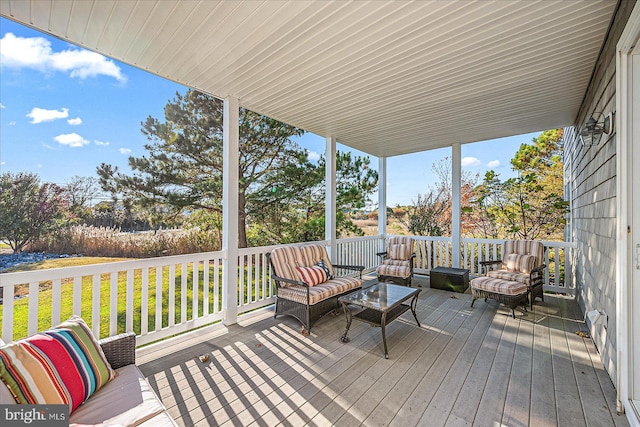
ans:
(463, 366)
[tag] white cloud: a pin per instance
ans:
(48, 147)
(125, 151)
(312, 156)
(3, 163)
(12, 123)
(39, 166)
(39, 115)
(75, 122)
(36, 53)
(71, 139)
(493, 164)
(470, 161)
(2, 106)
(101, 143)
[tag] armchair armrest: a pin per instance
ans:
(382, 254)
(357, 268)
(120, 350)
(486, 265)
(291, 281)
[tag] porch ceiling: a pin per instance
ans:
(386, 78)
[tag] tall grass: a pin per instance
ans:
(109, 242)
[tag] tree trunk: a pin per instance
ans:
(242, 219)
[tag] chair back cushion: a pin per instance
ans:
(285, 259)
(523, 247)
(314, 253)
(400, 247)
(520, 263)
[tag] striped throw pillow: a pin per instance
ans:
(520, 263)
(312, 275)
(63, 365)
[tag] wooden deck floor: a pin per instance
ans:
(464, 366)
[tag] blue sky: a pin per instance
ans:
(64, 110)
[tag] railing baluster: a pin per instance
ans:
(56, 301)
(77, 296)
(8, 292)
(216, 286)
(129, 302)
(195, 297)
(172, 295)
(183, 292)
(205, 287)
(144, 302)
(95, 307)
(113, 303)
(159, 276)
(34, 290)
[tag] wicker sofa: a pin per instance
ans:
(303, 291)
(126, 400)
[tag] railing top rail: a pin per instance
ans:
(359, 239)
(431, 238)
(262, 249)
(22, 277)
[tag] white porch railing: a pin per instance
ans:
(160, 297)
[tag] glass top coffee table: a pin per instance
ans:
(380, 304)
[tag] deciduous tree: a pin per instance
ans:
(28, 209)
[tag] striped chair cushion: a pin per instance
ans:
(397, 262)
(402, 271)
(523, 247)
(512, 276)
(321, 291)
(498, 286)
(312, 275)
(520, 263)
(401, 252)
(63, 365)
(285, 259)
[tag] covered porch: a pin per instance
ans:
(464, 366)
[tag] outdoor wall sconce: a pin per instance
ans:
(592, 131)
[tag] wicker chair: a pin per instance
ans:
(396, 264)
(518, 277)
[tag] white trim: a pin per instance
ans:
(456, 182)
(230, 170)
(382, 199)
(330, 205)
(624, 138)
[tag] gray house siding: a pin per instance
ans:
(591, 176)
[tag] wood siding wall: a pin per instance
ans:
(591, 176)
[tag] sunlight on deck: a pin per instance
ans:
(464, 366)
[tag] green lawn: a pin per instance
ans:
(45, 297)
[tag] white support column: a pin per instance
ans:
(230, 172)
(456, 184)
(382, 201)
(330, 204)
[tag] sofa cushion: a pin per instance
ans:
(520, 263)
(63, 365)
(513, 276)
(128, 400)
(284, 260)
(335, 286)
(312, 275)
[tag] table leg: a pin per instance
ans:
(414, 304)
(347, 312)
(383, 323)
